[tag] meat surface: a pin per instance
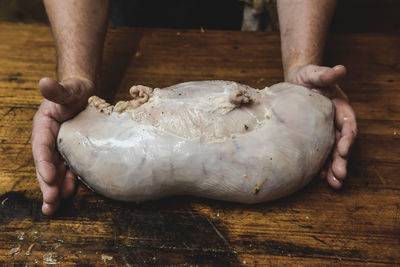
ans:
(214, 139)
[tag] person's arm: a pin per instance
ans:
(79, 28)
(304, 25)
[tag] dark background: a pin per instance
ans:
(351, 15)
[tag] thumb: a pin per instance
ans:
(66, 92)
(333, 75)
(322, 76)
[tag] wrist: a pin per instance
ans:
(78, 67)
(76, 77)
(293, 68)
(76, 73)
(89, 81)
(290, 72)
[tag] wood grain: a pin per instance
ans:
(356, 226)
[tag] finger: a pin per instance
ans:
(50, 192)
(69, 185)
(67, 92)
(330, 176)
(319, 76)
(66, 181)
(347, 139)
(332, 76)
(43, 149)
(310, 75)
(43, 157)
(61, 170)
(339, 164)
(343, 112)
(347, 124)
(51, 198)
(344, 145)
(332, 180)
(50, 208)
(339, 167)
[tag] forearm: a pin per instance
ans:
(79, 28)
(303, 26)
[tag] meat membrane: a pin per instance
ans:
(215, 139)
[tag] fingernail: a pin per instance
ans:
(45, 207)
(336, 179)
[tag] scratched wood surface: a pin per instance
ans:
(359, 225)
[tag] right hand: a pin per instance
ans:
(62, 101)
(325, 81)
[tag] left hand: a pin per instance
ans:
(325, 81)
(62, 102)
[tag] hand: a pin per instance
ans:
(62, 102)
(325, 81)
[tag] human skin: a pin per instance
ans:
(303, 27)
(79, 37)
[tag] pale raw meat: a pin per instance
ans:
(214, 139)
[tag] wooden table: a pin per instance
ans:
(358, 225)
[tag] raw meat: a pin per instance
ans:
(214, 139)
